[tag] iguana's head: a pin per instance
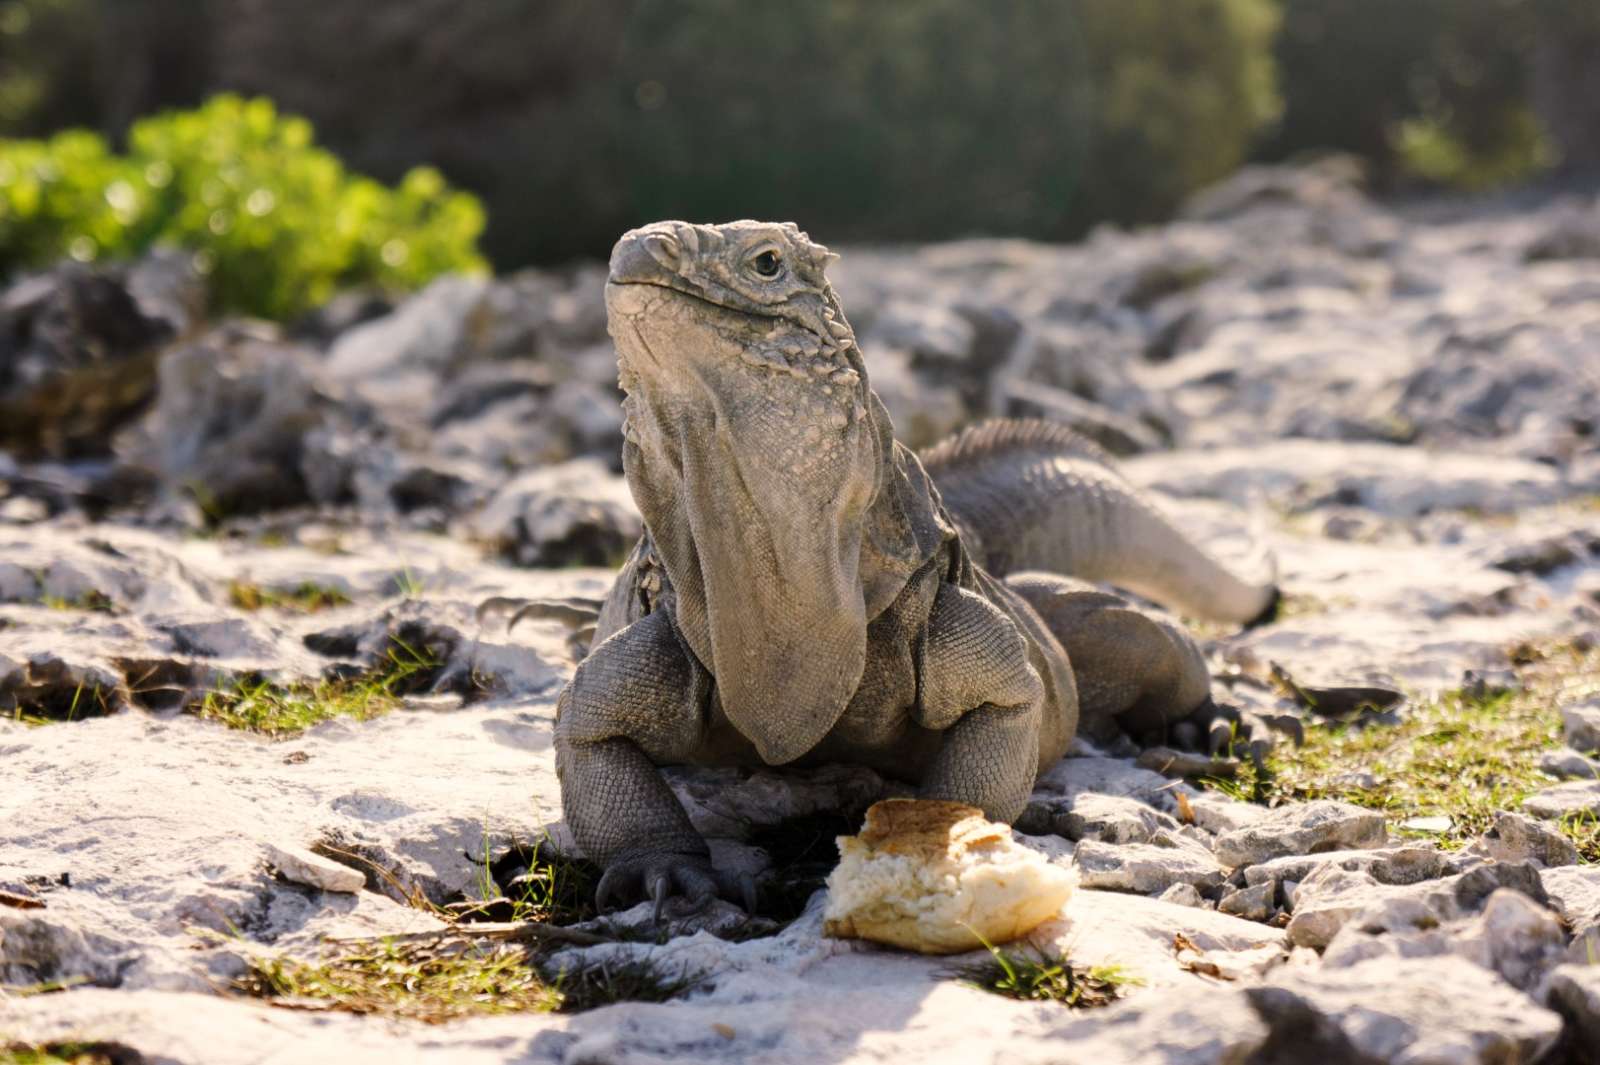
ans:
(754, 449)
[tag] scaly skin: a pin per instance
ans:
(803, 593)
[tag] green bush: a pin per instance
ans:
(277, 223)
(864, 120)
(1467, 93)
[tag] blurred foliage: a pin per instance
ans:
(1180, 91)
(1509, 148)
(278, 223)
(861, 119)
(1468, 93)
(47, 56)
(1016, 116)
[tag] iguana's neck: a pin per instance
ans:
(774, 591)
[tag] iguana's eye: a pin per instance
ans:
(768, 264)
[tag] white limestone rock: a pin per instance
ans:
(1111, 819)
(1146, 868)
(1330, 898)
(1578, 797)
(312, 870)
(1564, 763)
(1517, 838)
(1418, 1011)
(1301, 828)
(1574, 992)
(1580, 722)
(1408, 864)
(1252, 903)
(1514, 937)
(1182, 895)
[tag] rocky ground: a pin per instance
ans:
(259, 754)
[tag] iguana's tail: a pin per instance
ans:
(1034, 495)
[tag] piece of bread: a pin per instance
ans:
(939, 878)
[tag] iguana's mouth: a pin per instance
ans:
(612, 284)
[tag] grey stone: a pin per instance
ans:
(1564, 763)
(38, 947)
(1181, 764)
(1419, 1011)
(1202, 1027)
(431, 332)
(1106, 776)
(1302, 829)
(1111, 819)
(1216, 813)
(1145, 868)
(1394, 865)
(1581, 724)
(1575, 894)
(1428, 826)
(70, 582)
(1394, 481)
(927, 331)
(1330, 898)
(575, 513)
(1574, 992)
(313, 870)
(1577, 797)
(77, 360)
(1517, 838)
(17, 584)
(1252, 903)
(1514, 937)
(1182, 895)
(233, 411)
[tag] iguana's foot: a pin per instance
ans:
(1221, 729)
(678, 884)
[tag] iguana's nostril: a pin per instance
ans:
(663, 249)
(642, 255)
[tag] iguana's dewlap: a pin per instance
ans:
(938, 878)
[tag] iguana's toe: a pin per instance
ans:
(677, 884)
(575, 612)
(1228, 730)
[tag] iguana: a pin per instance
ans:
(809, 590)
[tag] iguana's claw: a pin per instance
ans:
(658, 895)
(677, 884)
(1228, 729)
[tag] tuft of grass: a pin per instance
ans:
(1584, 830)
(429, 983)
(93, 601)
(446, 980)
(282, 710)
(407, 584)
(541, 883)
(627, 981)
(308, 597)
(54, 705)
(1464, 755)
(1034, 976)
(69, 1052)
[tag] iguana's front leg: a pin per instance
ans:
(979, 688)
(635, 702)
